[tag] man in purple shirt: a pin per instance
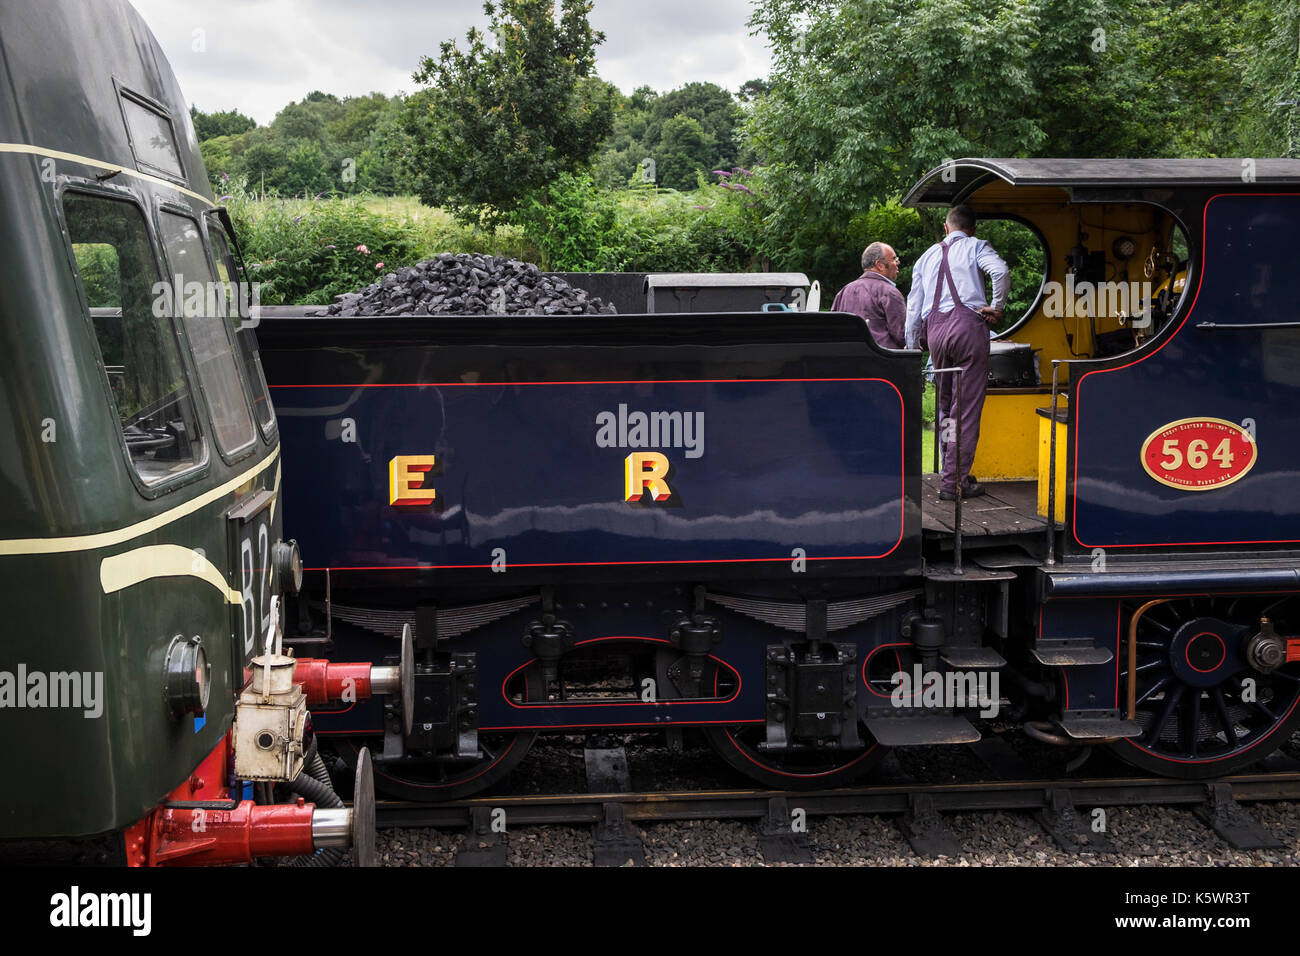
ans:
(875, 297)
(947, 298)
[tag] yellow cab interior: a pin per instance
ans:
(1115, 275)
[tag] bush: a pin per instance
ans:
(712, 229)
(307, 252)
(572, 222)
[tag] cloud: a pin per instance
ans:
(259, 55)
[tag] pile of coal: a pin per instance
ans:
(468, 285)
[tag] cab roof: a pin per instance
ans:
(953, 182)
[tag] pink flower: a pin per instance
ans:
(378, 266)
(363, 250)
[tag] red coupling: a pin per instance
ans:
(1292, 649)
(205, 836)
(325, 682)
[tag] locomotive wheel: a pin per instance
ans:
(1194, 687)
(435, 782)
(792, 770)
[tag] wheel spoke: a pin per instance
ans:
(1190, 718)
(1258, 705)
(1221, 707)
(1171, 701)
(1154, 689)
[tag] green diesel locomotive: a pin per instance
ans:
(141, 557)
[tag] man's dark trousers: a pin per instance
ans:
(958, 338)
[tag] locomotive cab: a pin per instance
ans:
(1161, 442)
(1123, 244)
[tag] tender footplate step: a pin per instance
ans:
(613, 842)
(973, 658)
(917, 731)
(485, 843)
(1081, 653)
(925, 829)
(969, 572)
(607, 770)
(1071, 831)
(1231, 821)
(783, 836)
(1095, 728)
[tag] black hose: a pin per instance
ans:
(316, 767)
(321, 793)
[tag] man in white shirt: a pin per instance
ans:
(955, 328)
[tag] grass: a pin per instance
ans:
(927, 429)
(437, 231)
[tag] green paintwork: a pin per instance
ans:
(66, 775)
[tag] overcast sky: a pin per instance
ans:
(258, 55)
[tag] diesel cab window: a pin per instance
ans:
(201, 302)
(138, 342)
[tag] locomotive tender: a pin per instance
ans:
(718, 522)
(141, 558)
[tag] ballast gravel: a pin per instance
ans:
(1142, 836)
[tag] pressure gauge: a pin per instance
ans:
(1125, 248)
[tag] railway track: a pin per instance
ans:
(1064, 807)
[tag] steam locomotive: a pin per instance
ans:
(707, 520)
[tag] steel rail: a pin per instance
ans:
(587, 808)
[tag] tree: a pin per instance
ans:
(708, 104)
(500, 121)
(869, 94)
(1269, 121)
(265, 165)
(753, 90)
(651, 125)
(211, 125)
(299, 121)
(684, 149)
(218, 157)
